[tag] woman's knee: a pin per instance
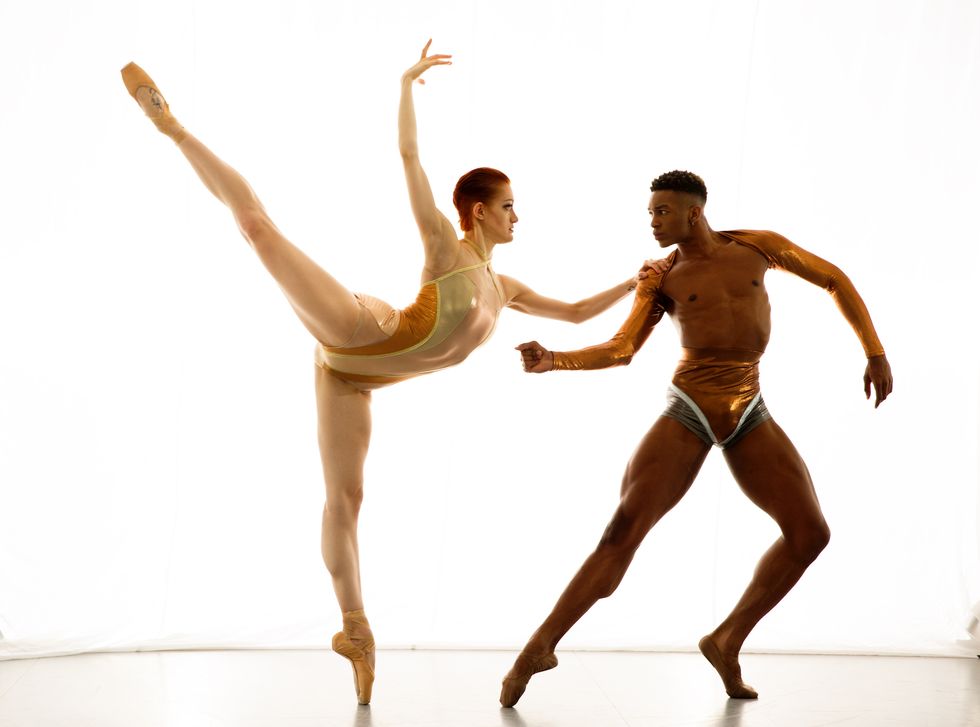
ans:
(344, 502)
(255, 225)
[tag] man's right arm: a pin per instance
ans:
(781, 253)
(647, 311)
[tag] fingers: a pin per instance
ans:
(879, 374)
(531, 355)
(883, 388)
(425, 63)
(882, 385)
(655, 266)
(881, 392)
(648, 265)
(425, 50)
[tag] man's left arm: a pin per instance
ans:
(784, 254)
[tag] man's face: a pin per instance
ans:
(670, 214)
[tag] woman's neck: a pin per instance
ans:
(479, 243)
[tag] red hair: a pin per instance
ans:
(478, 185)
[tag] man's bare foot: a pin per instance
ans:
(526, 666)
(728, 669)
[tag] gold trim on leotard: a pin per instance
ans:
(441, 306)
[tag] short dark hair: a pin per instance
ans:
(477, 185)
(680, 181)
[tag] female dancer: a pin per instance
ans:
(364, 343)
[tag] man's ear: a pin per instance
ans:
(694, 213)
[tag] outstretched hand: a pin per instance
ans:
(654, 267)
(536, 358)
(425, 63)
(879, 374)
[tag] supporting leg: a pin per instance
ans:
(771, 472)
(659, 474)
(344, 434)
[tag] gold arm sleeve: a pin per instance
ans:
(783, 254)
(618, 351)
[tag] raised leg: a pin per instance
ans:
(658, 475)
(327, 309)
(771, 472)
(344, 415)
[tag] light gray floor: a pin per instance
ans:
(459, 689)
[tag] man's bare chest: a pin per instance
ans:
(723, 283)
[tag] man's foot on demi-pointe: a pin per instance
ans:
(526, 666)
(728, 669)
(142, 88)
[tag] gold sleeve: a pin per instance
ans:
(618, 350)
(783, 254)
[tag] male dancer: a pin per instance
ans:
(713, 288)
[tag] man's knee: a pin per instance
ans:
(620, 533)
(809, 542)
(613, 554)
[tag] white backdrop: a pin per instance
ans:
(159, 479)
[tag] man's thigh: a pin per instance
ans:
(772, 474)
(661, 470)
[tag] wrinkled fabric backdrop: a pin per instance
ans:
(160, 484)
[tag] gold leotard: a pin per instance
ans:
(451, 316)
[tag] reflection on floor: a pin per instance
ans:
(460, 688)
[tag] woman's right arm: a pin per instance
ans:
(648, 309)
(437, 232)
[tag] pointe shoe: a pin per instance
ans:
(152, 102)
(358, 657)
(525, 666)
